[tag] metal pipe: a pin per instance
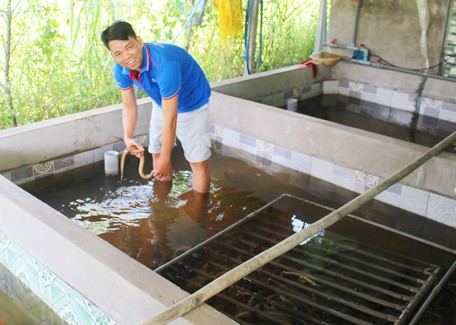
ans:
(413, 304)
(332, 297)
(321, 27)
(369, 286)
(338, 275)
(355, 34)
(321, 280)
(227, 229)
(346, 266)
(293, 295)
(405, 70)
(387, 67)
(433, 294)
(224, 281)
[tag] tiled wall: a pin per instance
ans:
(43, 169)
(69, 305)
(387, 97)
(420, 202)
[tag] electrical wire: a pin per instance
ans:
(418, 69)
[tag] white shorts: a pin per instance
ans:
(192, 131)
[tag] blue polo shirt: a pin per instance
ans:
(168, 70)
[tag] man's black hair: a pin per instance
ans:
(120, 30)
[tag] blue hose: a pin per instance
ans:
(188, 21)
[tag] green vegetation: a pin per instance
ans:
(53, 62)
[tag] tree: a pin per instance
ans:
(6, 84)
(53, 62)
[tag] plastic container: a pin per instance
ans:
(111, 163)
(328, 59)
(292, 104)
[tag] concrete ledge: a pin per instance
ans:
(257, 86)
(124, 289)
(357, 149)
(67, 135)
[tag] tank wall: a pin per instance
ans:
(275, 87)
(354, 160)
(66, 136)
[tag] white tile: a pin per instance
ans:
(432, 103)
(369, 97)
(410, 199)
(326, 171)
(344, 91)
(331, 87)
(355, 86)
(384, 97)
(442, 209)
(403, 101)
(300, 162)
(84, 158)
(230, 138)
(447, 115)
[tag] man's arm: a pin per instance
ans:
(129, 118)
(169, 108)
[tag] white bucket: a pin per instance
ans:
(111, 163)
(292, 104)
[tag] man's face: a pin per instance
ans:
(128, 53)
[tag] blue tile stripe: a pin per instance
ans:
(67, 303)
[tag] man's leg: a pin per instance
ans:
(201, 177)
(193, 132)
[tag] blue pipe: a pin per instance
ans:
(188, 21)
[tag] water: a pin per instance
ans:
(395, 123)
(150, 221)
(154, 222)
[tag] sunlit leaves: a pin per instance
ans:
(59, 65)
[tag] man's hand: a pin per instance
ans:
(163, 169)
(139, 151)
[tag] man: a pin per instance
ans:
(180, 93)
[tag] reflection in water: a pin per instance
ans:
(157, 221)
(298, 225)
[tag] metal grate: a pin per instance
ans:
(330, 278)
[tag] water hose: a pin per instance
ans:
(197, 6)
(224, 281)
